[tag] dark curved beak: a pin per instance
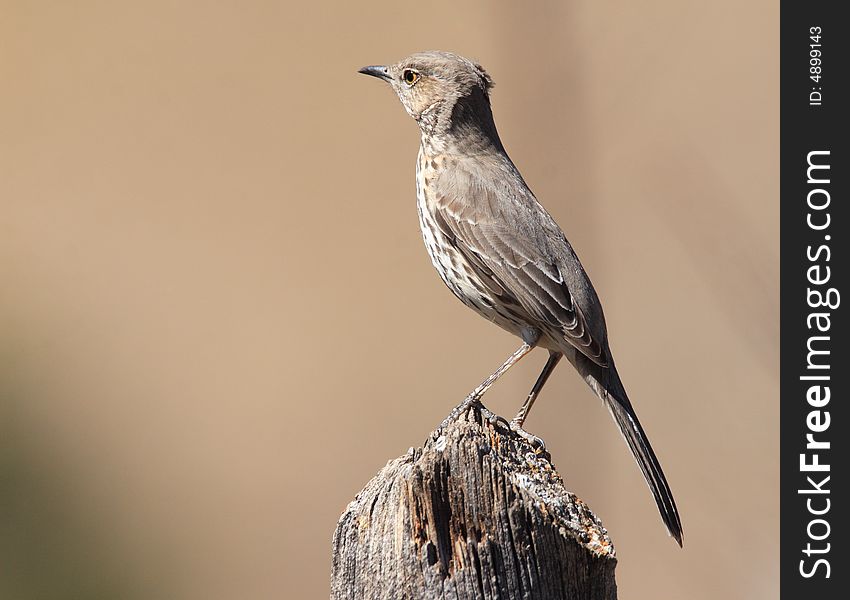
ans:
(376, 71)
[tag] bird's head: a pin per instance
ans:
(439, 89)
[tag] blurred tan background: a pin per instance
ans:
(218, 320)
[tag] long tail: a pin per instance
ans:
(607, 385)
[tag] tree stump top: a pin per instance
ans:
(475, 512)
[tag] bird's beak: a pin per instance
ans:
(377, 71)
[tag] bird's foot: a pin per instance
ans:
(486, 413)
(461, 408)
(497, 421)
(536, 443)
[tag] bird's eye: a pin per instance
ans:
(410, 77)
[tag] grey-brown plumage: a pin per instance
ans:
(499, 251)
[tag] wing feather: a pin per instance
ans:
(507, 239)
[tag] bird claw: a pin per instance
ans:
(462, 408)
(498, 421)
(536, 443)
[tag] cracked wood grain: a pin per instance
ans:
(473, 514)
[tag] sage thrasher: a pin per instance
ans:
(499, 251)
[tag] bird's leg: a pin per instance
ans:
(511, 361)
(520, 417)
(476, 394)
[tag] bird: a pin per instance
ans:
(500, 252)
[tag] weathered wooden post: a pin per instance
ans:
(475, 513)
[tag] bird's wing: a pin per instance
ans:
(516, 246)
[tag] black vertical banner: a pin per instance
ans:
(815, 192)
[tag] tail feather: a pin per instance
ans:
(606, 383)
